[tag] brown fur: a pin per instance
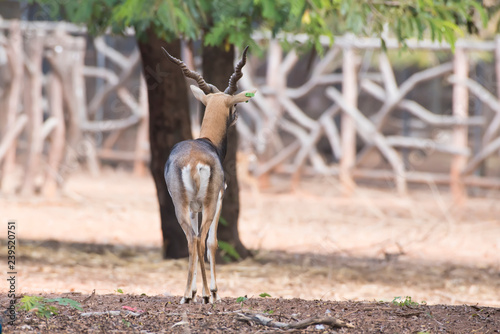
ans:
(214, 122)
(219, 114)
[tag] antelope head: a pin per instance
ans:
(220, 112)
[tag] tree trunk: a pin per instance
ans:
(169, 123)
(218, 65)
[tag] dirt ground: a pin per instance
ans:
(159, 314)
(349, 255)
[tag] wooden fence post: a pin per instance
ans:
(492, 129)
(348, 127)
(11, 135)
(275, 81)
(14, 50)
(33, 106)
(497, 65)
(460, 110)
(57, 137)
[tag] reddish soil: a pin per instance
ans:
(159, 314)
(349, 255)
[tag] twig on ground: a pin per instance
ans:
(88, 314)
(260, 319)
(410, 314)
(124, 312)
(184, 323)
(89, 298)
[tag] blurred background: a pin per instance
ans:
(366, 167)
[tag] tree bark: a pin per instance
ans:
(169, 123)
(218, 65)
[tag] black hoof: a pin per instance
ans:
(185, 300)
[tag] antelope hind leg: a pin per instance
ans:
(208, 217)
(194, 224)
(193, 241)
(212, 249)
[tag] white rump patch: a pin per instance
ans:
(204, 172)
(196, 195)
(187, 181)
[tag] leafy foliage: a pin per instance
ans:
(241, 299)
(41, 307)
(66, 302)
(38, 305)
(223, 221)
(264, 295)
(28, 303)
(224, 22)
(228, 252)
(399, 301)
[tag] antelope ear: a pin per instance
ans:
(243, 96)
(199, 94)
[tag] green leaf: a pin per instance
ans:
(226, 21)
(47, 311)
(38, 303)
(66, 302)
(223, 221)
(264, 295)
(27, 303)
(406, 302)
(241, 299)
(119, 290)
(229, 250)
(435, 32)
(383, 45)
(297, 8)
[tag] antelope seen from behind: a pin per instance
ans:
(195, 177)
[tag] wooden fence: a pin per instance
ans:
(275, 114)
(51, 109)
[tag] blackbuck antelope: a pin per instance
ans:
(195, 178)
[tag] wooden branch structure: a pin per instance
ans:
(460, 133)
(33, 106)
(13, 48)
(49, 117)
(11, 135)
(299, 123)
(285, 137)
(349, 119)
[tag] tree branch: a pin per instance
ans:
(260, 319)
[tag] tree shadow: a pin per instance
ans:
(390, 270)
(337, 267)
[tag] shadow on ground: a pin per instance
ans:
(285, 270)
